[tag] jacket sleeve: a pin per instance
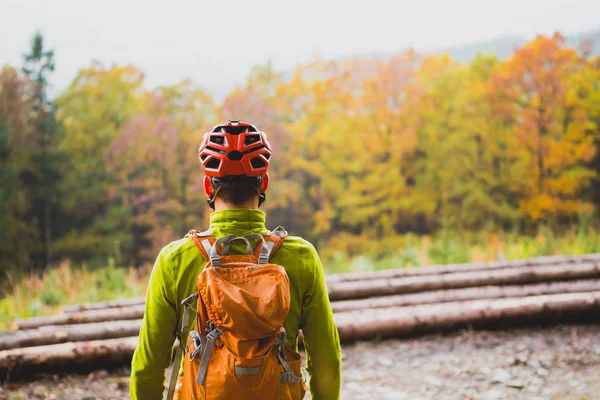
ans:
(157, 334)
(321, 338)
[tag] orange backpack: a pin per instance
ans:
(237, 348)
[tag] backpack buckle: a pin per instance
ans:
(197, 343)
(289, 377)
(190, 299)
(215, 261)
(214, 334)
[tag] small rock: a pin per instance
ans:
(542, 372)
(514, 383)
(500, 375)
(433, 381)
(533, 388)
(494, 394)
(547, 361)
(521, 347)
(386, 362)
(354, 386)
(521, 358)
(99, 374)
(395, 395)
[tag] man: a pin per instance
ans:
(235, 158)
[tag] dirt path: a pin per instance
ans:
(552, 363)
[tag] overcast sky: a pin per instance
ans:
(215, 42)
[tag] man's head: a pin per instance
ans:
(235, 158)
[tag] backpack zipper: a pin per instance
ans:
(250, 265)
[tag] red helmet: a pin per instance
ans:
(235, 148)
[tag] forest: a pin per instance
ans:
(369, 152)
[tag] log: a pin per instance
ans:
(386, 274)
(369, 288)
(108, 314)
(54, 334)
(106, 304)
(79, 356)
(46, 335)
(408, 321)
(352, 326)
(452, 268)
(506, 276)
(476, 293)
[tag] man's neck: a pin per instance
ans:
(251, 204)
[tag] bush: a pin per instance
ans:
(448, 248)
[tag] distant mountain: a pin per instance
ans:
(504, 47)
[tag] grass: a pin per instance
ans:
(44, 294)
(451, 247)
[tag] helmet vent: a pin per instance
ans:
(203, 156)
(251, 139)
(235, 155)
(258, 163)
(234, 130)
(266, 155)
(217, 139)
(213, 163)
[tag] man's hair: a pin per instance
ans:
(236, 190)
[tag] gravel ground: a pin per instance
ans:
(547, 363)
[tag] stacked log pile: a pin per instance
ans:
(390, 303)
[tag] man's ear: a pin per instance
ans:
(208, 188)
(265, 184)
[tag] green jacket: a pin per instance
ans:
(174, 277)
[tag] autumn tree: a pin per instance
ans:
(156, 174)
(349, 141)
(256, 102)
(43, 172)
(18, 237)
(588, 88)
(462, 179)
(537, 94)
(93, 110)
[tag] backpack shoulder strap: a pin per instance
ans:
(203, 241)
(274, 240)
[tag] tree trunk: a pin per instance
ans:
(54, 334)
(47, 233)
(452, 268)
(107, 304)
(353, 290)
(82, 317)
(506, 276)
(388, 274)
(79, 356)
(476, 293)
(407, 321)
